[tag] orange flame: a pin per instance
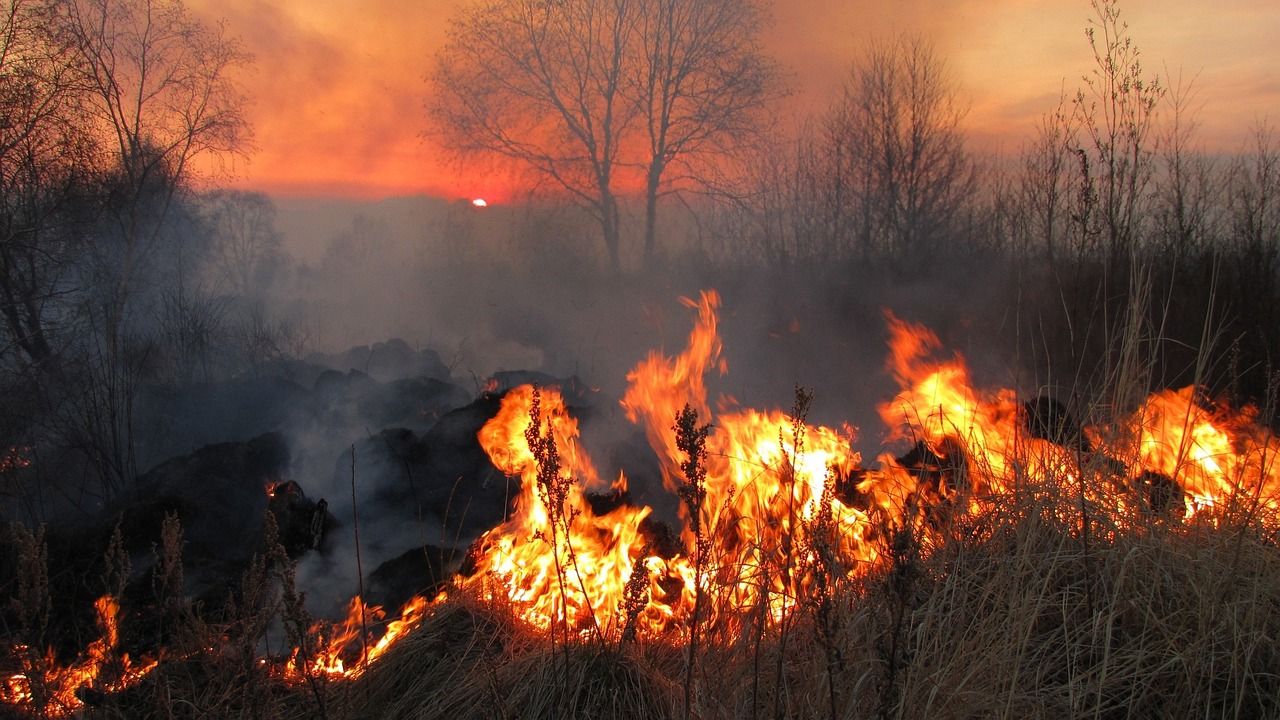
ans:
(784, 510)
(334, 643)
(554, 559)
(57, 693)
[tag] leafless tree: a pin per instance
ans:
(596, 96)
(905, 171)
(159, 91)
(701, 80)
(1044, 193)
(542, 83)
(1253, 204)
(246, 243)
(1116, 110)
(155, 91)
(44, 166)
(1186, 195)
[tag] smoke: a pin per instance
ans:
(521, 288)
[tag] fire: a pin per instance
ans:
(769, 479)
(56, 690)
(980, 435)
(784, 502)
(333, 644)
(776, 510)
(554, 559)
(1211, 456)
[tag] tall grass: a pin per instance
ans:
(994, 623)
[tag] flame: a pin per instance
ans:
(779, 509)
(334, 643)
(1211, 455)
(979, 434)
(777, 487)
(554, 559)
(769, 479)
(56, 693)
(660, 386)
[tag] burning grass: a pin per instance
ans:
(1011, 563)
(1009, 615)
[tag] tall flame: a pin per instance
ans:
(555, 559)
(779, 509)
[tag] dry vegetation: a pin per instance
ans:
(1010, 615)
(1036, 606)
(1148, 268)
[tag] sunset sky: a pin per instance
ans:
(338, 87)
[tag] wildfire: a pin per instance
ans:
(786, 507)
(554, 558)
(775, 511)
(333, 644)
(56, 691)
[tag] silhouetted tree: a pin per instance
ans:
(594, 95)
(1116, 110)
(159, 92)
(701, 81)
(542, 83)
(154, 91)
(246, 243)
(1186, 194)
(898, 169)
(46, 166)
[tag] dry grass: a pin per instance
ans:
(475, 661)
(1010, 614)
(1184, 622)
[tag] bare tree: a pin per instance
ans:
(159, 91)
(1253, 204)
(701, 80)
(1116, 110)
(1043, 192)
(905, 171)
(1186, 196)
(595, 96)
(246, 243)
(45, 166)
(155, 92)
(542, 83)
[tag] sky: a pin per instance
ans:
(337, 88)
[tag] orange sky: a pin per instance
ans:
(338, 87)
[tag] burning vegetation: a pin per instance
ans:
(791, 553)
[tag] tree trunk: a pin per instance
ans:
(609, 224)
(651, 213)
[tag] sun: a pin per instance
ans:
(480, 202)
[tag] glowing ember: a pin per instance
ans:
(14, 458)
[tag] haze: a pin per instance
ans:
(338, 88)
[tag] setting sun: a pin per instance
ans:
(479, 202)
